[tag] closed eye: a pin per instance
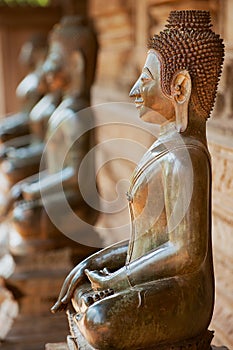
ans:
(148, 71)
(145, 77)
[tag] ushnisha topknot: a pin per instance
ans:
(188, 43)
(197, 20)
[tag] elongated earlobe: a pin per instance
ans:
(77, 67)
(78, 61)
(181, 90)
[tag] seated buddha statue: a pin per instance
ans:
(72, 60)
(20, 157)
(156, 291)
(29, 90)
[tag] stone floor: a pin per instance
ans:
(33, 333)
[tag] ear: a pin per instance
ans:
(77, 70)
(77, 60)
(181, 90)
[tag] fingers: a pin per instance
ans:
(71, 288)
(106, 271)
(59, 305)
(70, 284)
(91, 299)
(97, 281)
(91, 275)
(54, 308)
(67, 295)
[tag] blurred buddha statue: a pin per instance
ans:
(71, 65)
(30, 89)
(20, 157)
(156, 291)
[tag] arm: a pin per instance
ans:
(16, 169)
(17, 147)
(14, 125)
(77, 149)
(16, 193)
(17, 142)
(24, 156)
(50, 184)
(113, 257)
(187, 245)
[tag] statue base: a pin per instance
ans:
(202, 342)
(64, 346)
(56, 346)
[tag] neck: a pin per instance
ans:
(76, 100)
(76, 92)
(196, 126)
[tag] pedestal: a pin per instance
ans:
(37, 279)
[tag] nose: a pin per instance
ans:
(51, 65)
(135, 91)
(47, 66)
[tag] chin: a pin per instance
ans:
(151, 116)
(143, 111)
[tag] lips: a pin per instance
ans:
(138, 102)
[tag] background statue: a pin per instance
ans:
(71, 63)
(30, 89)
(21, 156)
(157, 290)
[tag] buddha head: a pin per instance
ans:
(182, 69)
(34, 51)
(72, 55)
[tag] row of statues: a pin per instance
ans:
(21, 152)
(155, 290)
(68, 72)
(29, 91)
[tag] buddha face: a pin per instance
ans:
(153, 105)
(56, 68)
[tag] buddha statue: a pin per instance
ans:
(71, 64)
(20, 157)
(29, 90)
(156, 291)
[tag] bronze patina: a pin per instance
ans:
(157, 290)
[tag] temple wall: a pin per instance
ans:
(220, 137)
(221, 148)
